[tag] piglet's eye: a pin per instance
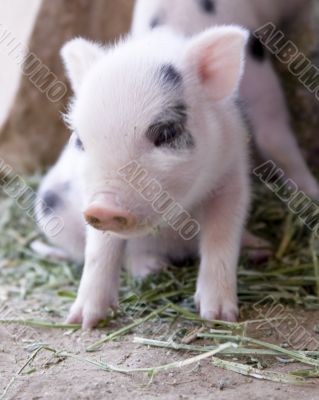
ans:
(164, 134)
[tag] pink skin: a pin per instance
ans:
(220, 152)
(98, 291)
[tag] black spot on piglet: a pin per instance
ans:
(155, 23)
(170, 76)
(79, 144)
(208, 6)
(50, 202)
(256, 49)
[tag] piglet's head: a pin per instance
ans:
(148, 115)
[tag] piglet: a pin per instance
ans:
(162, 170)
(261, 92)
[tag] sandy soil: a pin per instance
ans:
(49, 378)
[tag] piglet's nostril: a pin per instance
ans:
(121, 221)
(92, 220)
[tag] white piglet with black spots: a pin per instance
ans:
(260, 89)
(159, 162)
(159, 146)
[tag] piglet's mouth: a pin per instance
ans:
(114, 224)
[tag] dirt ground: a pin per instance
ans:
(50, 378)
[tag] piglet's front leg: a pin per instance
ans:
(221, 232)
(98, 291)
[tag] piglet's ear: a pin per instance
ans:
(79, 55)
(217, 57)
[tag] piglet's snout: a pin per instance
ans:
(105, 214)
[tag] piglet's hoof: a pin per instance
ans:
(89, 315)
